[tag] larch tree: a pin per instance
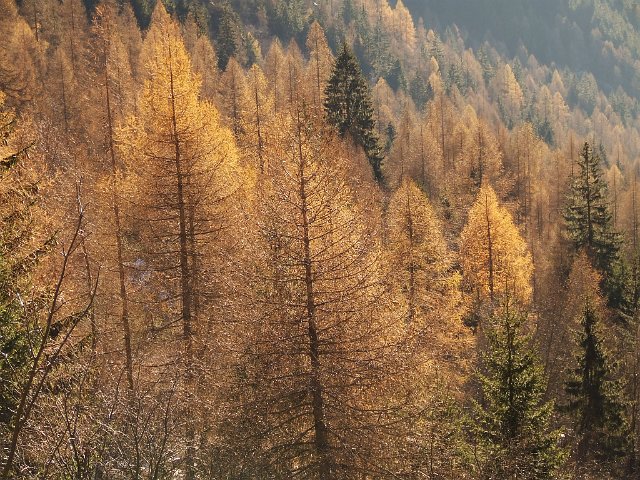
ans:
(258, 116)
(401, 160)
(320, 62)
(582, 282)
(439, 118)
(509, 95)
(419, 260)
(274, 68)
(73, 33)
(117, 84)
(475, 152)
(318, 347)
(17, 69)
(294, 75)
(527, 152)
(234, 98)
(17, 212)
(183, 163)
(405, 31)
(424, 291)
(205, 63)
(62, 93)
(37, 318)
(349, 109)
(494, 256)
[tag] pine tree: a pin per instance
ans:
(595, 396)
(228, 42)
(588, 217)
(420, 89)
(349, 109)
(514, 422)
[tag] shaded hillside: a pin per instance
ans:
(597, 36)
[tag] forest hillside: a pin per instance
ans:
(319, 239)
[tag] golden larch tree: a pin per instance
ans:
(318, 348)
(234, 97)
(320, 63)
(183, 165)
(425, 289)
(494, 256)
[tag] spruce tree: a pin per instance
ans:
(595, 397)
(227, 39)
(420, 89)
(588, 218)
(348, 107)
(514, 422)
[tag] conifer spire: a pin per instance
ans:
(348, 107)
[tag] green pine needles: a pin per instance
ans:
(348, 107)
(588, 217)
(595, 396)
(513, 428)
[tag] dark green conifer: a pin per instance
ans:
(514, 422)
(348, 107)
(420, 89)
(488, 69)
(14, 350)
(348, 12)
(596, 397)
(228, 38)
(395, 76)
(589, 220)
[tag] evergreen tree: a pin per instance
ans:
(378, 50)
(420, 89)
(514, 428)
(14, 350)
(436, 50)
(289, 18)
(227, 38)
(395, 76)
(348, 107)
(589, 220)
(595, 397)
(488, 69)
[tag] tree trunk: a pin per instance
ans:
(321, 442)
(115, 204)
(490, 247)
(185, 285)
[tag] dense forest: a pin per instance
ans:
(330, 239)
